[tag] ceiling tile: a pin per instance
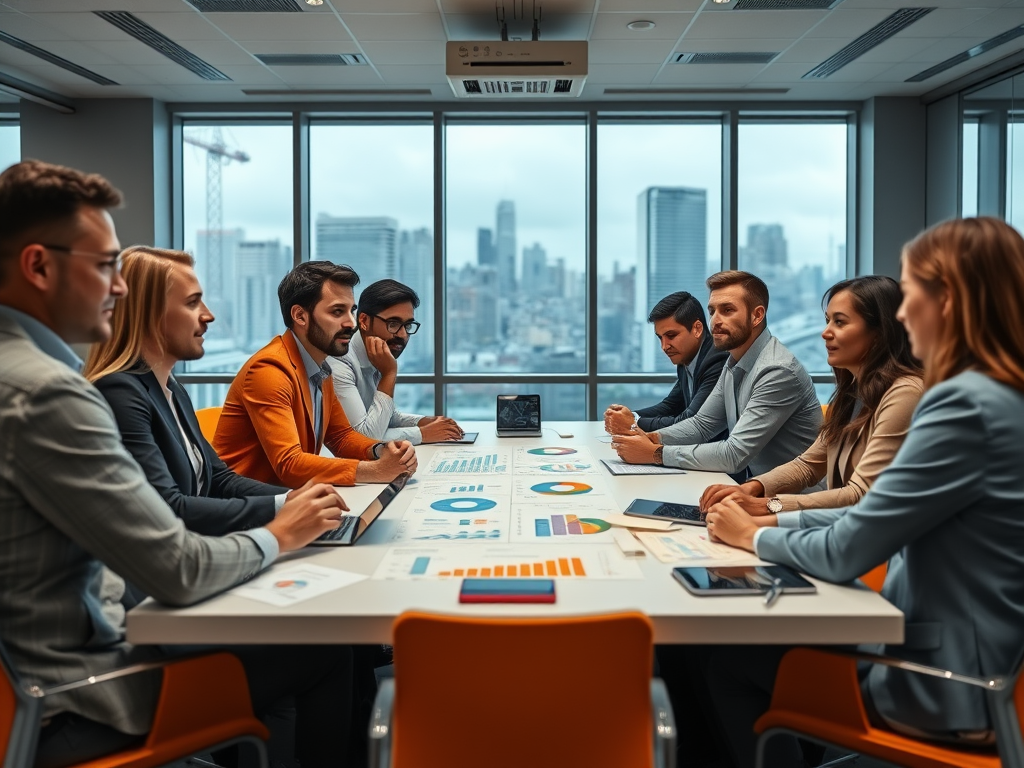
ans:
(384, 6)
(668, 26)
(715, 74)
(325, 76)
(279, 26)
(285, 46)
(182, 26)
(405, 53)
(398, 26)
(65, 6)
(945, 21)
(623, 73)
(81, 26)
(781, 73)
(629, 51)
(811, 50)
(654, 6)
(729, 46)
(858, 70)
(995, 23)
(553, 7)
(849, 23)
(897, 49)
(30, 28)
(169, 74)
(754, 24)
(227, 52)
(256, 74)
(412, 75)
(132, 52)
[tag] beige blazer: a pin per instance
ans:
(851, 466)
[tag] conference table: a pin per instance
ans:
(363, 612)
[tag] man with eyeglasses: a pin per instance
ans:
(364, 379)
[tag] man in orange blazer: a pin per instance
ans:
(281, 408)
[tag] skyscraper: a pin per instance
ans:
(368, 244)
(416, 269)
(505, 246)
(671, 252)
(535, 271)
(766, 249)
(486, 256)
(259, 267)
(217, 276)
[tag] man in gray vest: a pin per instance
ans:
(764, 397)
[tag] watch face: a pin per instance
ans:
(774, 506)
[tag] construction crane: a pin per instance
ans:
(217, 156)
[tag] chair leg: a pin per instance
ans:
(664, 726)
(380, 725)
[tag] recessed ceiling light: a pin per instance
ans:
(720, 2)
(314, 2)
(640, 26)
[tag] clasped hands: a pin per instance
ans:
(632, 444)
(734, 513)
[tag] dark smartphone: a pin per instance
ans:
(665, 510)
(507, 591)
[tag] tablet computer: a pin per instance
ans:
(742, 580)
(666, 510)
(354, 526)
(518, 416)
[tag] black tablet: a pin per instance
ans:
(742, 580)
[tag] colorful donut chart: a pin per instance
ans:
(463, 505)
(561, 488)
(552, 451)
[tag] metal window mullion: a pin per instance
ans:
(300, 188)
(177, 182)
(852, 190)
(440, 329)
(590, 406)
(730, 190)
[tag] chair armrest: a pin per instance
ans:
(39, 692)
(664, 725)
(989, 684)
(380, 725)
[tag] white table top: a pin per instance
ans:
(363, 612)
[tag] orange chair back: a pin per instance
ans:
(208, 418)
(875, 578)
(537, 692)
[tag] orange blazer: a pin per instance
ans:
(266, 427)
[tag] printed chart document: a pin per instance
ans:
(642, 523)
(292, 583)
(619, 467)
(470, 461)
(554, 460)
(501, 561)
(691, 543)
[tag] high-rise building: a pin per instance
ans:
(766, 249)
(536, 280)
(259, 267)
(505, 246)
(216, 273)
(416, 269)
(486, 255)
(368, 244)
(671, 252)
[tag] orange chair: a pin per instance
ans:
(512, 692)
(875, 578)
(817, 695)
(208, 418)
(204, 705)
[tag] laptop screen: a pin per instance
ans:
(518, 413)
(351, 527)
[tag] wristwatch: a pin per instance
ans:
(774, 505)
(657, 454)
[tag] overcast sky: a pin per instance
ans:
(789, 174)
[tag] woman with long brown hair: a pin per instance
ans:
(950, 507)
(878, 385)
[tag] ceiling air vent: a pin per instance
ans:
(877, 35)
(53, 58)
(245, 6)
(312, 59)
(785, 5)
(144, 33)
(969, 54)
(739, 57)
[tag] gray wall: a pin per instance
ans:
(944, 160)
(891, 164)
(125, 140)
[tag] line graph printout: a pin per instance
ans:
(469, 461)
(508, 561)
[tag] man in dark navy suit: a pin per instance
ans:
(680, 326)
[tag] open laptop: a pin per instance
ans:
(518, 416)
(354, 526)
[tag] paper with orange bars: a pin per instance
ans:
(499, 562)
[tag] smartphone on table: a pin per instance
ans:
(688, 514)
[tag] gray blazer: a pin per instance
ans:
(775, 416)
(77, 517)
(948, 514)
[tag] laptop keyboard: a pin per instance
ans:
(341, 531)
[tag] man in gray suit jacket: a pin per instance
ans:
(764, 397)
(77, 515)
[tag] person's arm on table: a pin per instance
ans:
(947, 442)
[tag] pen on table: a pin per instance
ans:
(774, 591)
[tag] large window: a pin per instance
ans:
(10, 143)
(371, 207)
(659, 214)
(557, 234)
(792, 224)
(237, 221)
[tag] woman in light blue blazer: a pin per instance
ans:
(948, 514)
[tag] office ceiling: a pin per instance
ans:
(401, 45)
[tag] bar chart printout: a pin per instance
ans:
(602, 562)
(469, 463)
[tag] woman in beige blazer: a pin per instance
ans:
(878, 385)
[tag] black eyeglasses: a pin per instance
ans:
(111, 263)
(394, 324)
